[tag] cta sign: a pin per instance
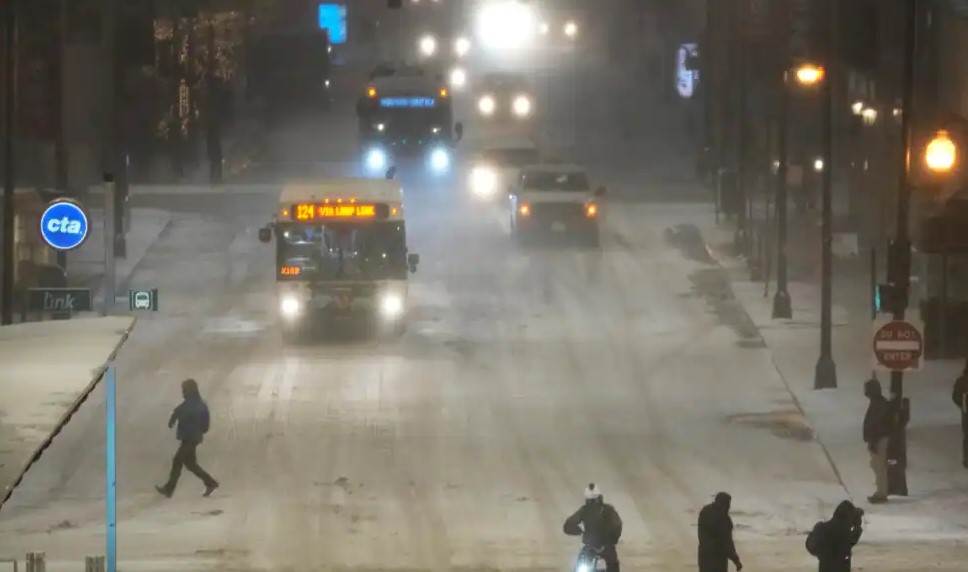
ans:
(64, 225)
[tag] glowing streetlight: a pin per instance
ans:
(809, 74)
(428, 45)
(941, 154)
(869, 115)
(857, 107)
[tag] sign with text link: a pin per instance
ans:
(328, 211)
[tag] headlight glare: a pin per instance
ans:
(439, 159)
(290, 307)
(458, 78)
(391, 306)
(522, 106)
(483, 181)
(376, 159)
(486, 105)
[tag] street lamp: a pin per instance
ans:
(807, 75)
(810, 74)
(941, 153)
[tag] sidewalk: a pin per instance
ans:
(938, 506)
(48, 369)
(85, 266)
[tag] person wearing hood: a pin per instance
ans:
(716, 547)
(599, 525)
(192, 417)
(877, 430)
(839, 536)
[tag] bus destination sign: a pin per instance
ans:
(329, 211)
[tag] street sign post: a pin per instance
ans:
(898, 346)
(60, 300)
(143, 300)
(64, 224)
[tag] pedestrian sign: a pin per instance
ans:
(143, 300)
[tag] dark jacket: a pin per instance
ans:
(840, 534)
(600, 524)
(877, 420)
(192, 418)
(960, 394)
(716, 548)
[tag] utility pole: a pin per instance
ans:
(9, 159)
(825, 374)
(740, 70)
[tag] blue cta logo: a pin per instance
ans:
(63, 226)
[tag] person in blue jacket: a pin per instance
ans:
(192, 418)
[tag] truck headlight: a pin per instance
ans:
(290, 307)
(522, 106)
(458, 78)
(376, 159)
(483, 181)
(428, 45)
(462, 46)
(439, 159)
(391, 306)
(486, 105)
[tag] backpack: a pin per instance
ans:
(816, 539)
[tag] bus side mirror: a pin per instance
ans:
(459, 130)
(412, 261)
(391, 172)
(265, 234)
(600, 191)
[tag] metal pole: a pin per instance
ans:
(900, 260)
(742, 217)
(874, 298)
(60, 146)
(109, 260)
(110, 400)
(782, 305)
(825, 375)
(9, 159)
(943, 317)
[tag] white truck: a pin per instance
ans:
(341, 255)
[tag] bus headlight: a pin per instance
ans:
(483, 181)
(376, 159)
(458, 78)
(391, 306)
(486, 105)
(571, 29)
(290, 307)
(439, 159)
(522, 106)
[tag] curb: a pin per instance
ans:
(65, 419)
(719, 261)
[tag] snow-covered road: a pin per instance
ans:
(525, 374)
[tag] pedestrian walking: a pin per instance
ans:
(716, 548)
(877, 430)
(833, 541)
(960, 396)
(192, 418)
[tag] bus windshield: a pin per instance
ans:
(344, 251)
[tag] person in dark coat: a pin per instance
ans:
(192, 418)
(840, 534)
(960, 397)
(877, 430)
(599, 525)
(716, 548)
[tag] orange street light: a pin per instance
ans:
(809, 74)
(941, 154)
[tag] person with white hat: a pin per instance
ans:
(599, 525)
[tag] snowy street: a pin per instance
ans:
(524, 375)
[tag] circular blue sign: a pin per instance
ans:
(63, 226)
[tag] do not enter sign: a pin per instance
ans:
(898, 346)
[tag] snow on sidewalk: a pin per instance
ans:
(938, 506)
(46, 370)
(86, 264)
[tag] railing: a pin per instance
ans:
(37, 562)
